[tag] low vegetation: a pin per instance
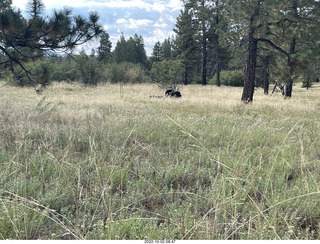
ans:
(109, 163)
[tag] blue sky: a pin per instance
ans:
(153, 20)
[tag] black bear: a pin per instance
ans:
(173, 93)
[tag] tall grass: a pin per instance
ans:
(91, 163)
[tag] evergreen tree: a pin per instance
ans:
(26, 39)
(202, 11)
(162, 51)
(218, 32)
(186, 45)
(166, 49)
(156, 53)
(119, 53)
(131, 50)
(104, 50)
(89, 68)
(140, 50)
(280, 26)
(207, 24)
(168, 73)
(297, 37)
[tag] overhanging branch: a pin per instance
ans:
(274, 46)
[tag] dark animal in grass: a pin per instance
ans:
(173, 93)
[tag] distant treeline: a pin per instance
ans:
(127, 63)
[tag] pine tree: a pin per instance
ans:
(89, 68)
(156, 53)
(140, 50)
(104, 50)
(300, 35)
(186, 45)
(131, 50)
(279, 26)
(217, 32)
(26, 39)
(119, 53)
(162, 51)
(166, 49)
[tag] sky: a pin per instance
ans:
(153, 20)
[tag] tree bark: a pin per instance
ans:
(186, 70)
(250, 68)
(289, 83)
(266, 74)
(251, 60)
(218, 48)
(204, 56)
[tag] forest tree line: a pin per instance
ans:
(239, 43)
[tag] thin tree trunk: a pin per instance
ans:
(218, 47)
(266, 74)
(186, 70)
(218, 74)
(308, 80)
(204, 56)
(218, 61)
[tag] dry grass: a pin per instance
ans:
(76, 97)
(92, 163)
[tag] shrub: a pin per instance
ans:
(64, 71)
(229, 78)
(125, 72)
(40, 73)
(196, 80)
(89, 69)
(168, 73)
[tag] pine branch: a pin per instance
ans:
(274, 46)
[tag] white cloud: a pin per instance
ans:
(160, 25)
(121, 21)
(175, 5)
(148, 5)
(133, 24)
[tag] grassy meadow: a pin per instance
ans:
(106, 163)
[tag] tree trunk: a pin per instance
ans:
(218, 74)
(186, 70)
(266, 74)
(251, 60)
(218, 48)
(289, 83)
(250, 68)
(204, 56)
(308, 81)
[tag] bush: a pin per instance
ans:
(229, 78)
(125, 72)
(64, 71)
(89, 69)
(196, 80)
(168, 73)
(40, 73)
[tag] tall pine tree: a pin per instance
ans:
(186, 45)
(104, 49)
